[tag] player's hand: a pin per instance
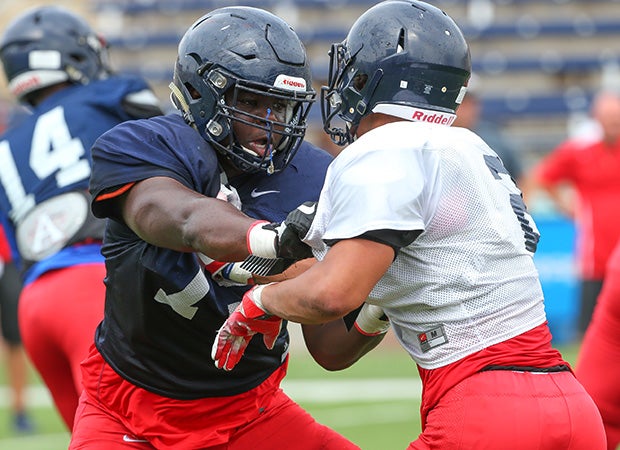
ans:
(283, 240)
(246, 320)
(226, 274)
(372, 321)
(295, 269)
(296, 226)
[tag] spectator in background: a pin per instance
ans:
(57, 66)
(17, 369)
(582, 178)
(469, 116)
(598, 362)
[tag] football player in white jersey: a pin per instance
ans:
(423, 221)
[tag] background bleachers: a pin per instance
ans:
(538, 62)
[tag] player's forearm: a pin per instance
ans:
(166, 214)
(303, 303)
(334, 347)
(316, 296)
(333, 287)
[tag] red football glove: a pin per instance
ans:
(246, 320)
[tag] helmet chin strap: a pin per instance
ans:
(361, 108)
(270, 149)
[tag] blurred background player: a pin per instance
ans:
(16, 364)
(598, 362)
(424, 221)
(57, 65)
(581, 177)
(242, 84)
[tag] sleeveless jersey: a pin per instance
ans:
(162, 311)
(47, 155)
(468, 281)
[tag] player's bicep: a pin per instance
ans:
(154, 202)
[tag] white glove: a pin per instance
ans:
(372, 321)
(226, 274)
(284, 239)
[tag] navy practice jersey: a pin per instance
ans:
(162, 311)
(46, 156)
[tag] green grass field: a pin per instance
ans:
(375, 403)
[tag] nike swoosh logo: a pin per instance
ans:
(256, 193)
(308, 210)
(128, 438)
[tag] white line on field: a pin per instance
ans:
(361, 390)
(36, 396)
(319, 391)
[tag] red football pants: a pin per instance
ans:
(514, 411)
(115, 414)
(58, 314)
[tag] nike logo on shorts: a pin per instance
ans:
(128, 438)
(256, 193)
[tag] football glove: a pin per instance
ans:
(246, 320)
(283, 240)
(226, 274)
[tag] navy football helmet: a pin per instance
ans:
(234, 52)
(399, 56)
(49, 45)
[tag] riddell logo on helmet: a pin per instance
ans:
(290, 83)
(294, 83)
(421, 115)
(26, 85)
(415, 114)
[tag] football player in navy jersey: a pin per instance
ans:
(212, 184)
(57, 66)
(423, 221)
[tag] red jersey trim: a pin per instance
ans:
(117, 193)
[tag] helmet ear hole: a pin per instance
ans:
(193, 92)
(76, 57)
(359, 81)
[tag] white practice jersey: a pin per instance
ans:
(469, 280)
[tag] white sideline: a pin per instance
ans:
(318, 391)
(351, 390)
